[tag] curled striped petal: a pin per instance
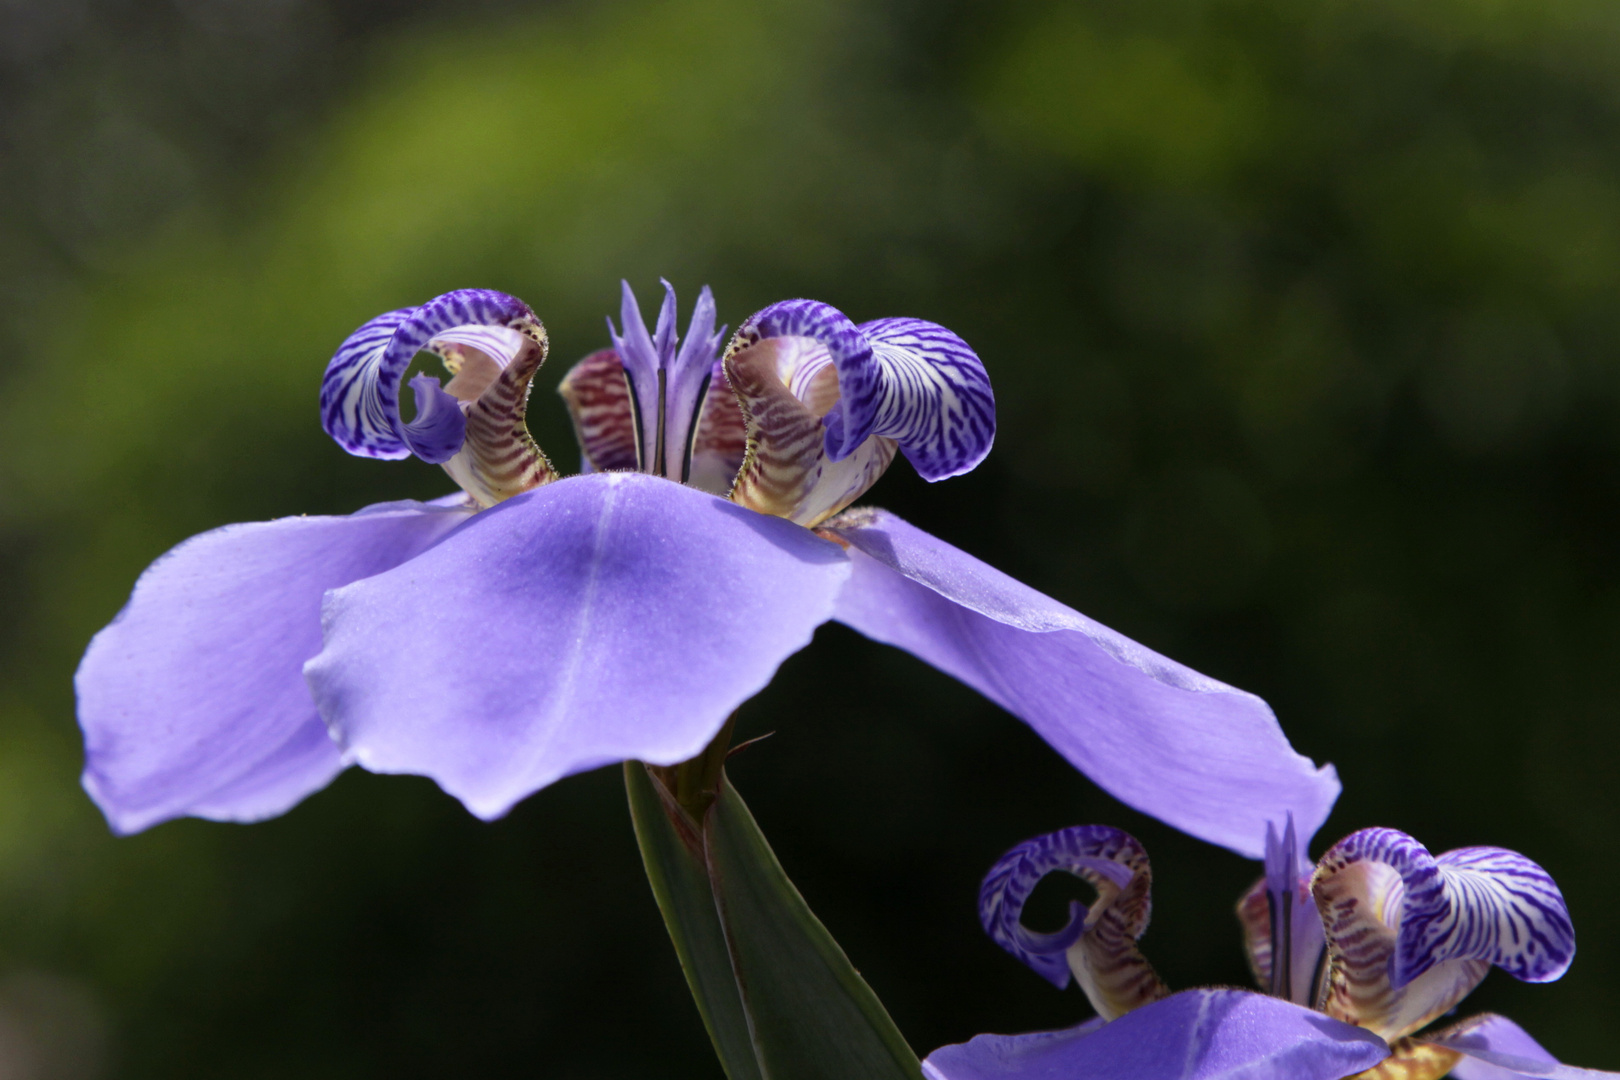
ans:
(598, 400)
(1409, 935)
(1493, 905)
(360, 391)
(1098, 945)
(498, 458)
(785, 385)
(1361, 887)
(905, 379)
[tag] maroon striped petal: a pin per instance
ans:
(598, 400)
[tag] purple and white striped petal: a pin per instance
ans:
(1493, 905)
(906, 379)
(1098, 945)
(360, 391)
(1495, 1048)
(1362, 886)
(1193, 1035)
(1410, 934)
(785, 385)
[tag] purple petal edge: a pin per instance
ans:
(1202, 756)
(1498, 1049)
(193, 701)
(596, 619)
(1194, 1035)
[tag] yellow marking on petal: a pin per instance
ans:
(1412, 1060)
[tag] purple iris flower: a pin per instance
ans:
(1400, 937)
(531, 627)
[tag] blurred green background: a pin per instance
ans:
(1302, 320)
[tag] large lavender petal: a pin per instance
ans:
(1495, 1048)
(1207, 758)
(593, 620)
(1193, 1035)
(360, 390)
(193, 700)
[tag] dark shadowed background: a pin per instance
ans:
(1302, 320)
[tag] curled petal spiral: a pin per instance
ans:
(360, 391)
(905, 379)
(1098, 944)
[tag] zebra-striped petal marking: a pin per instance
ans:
(1098, 945)
(598, 399)
(1409, 935)
(1494, 905)
(785, 385)
(908, 380)
(360, 391)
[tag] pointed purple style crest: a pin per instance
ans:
(1282, 928)
(906, 379)
(360, 391)
(667, 387)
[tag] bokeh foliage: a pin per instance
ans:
(1301, 315)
